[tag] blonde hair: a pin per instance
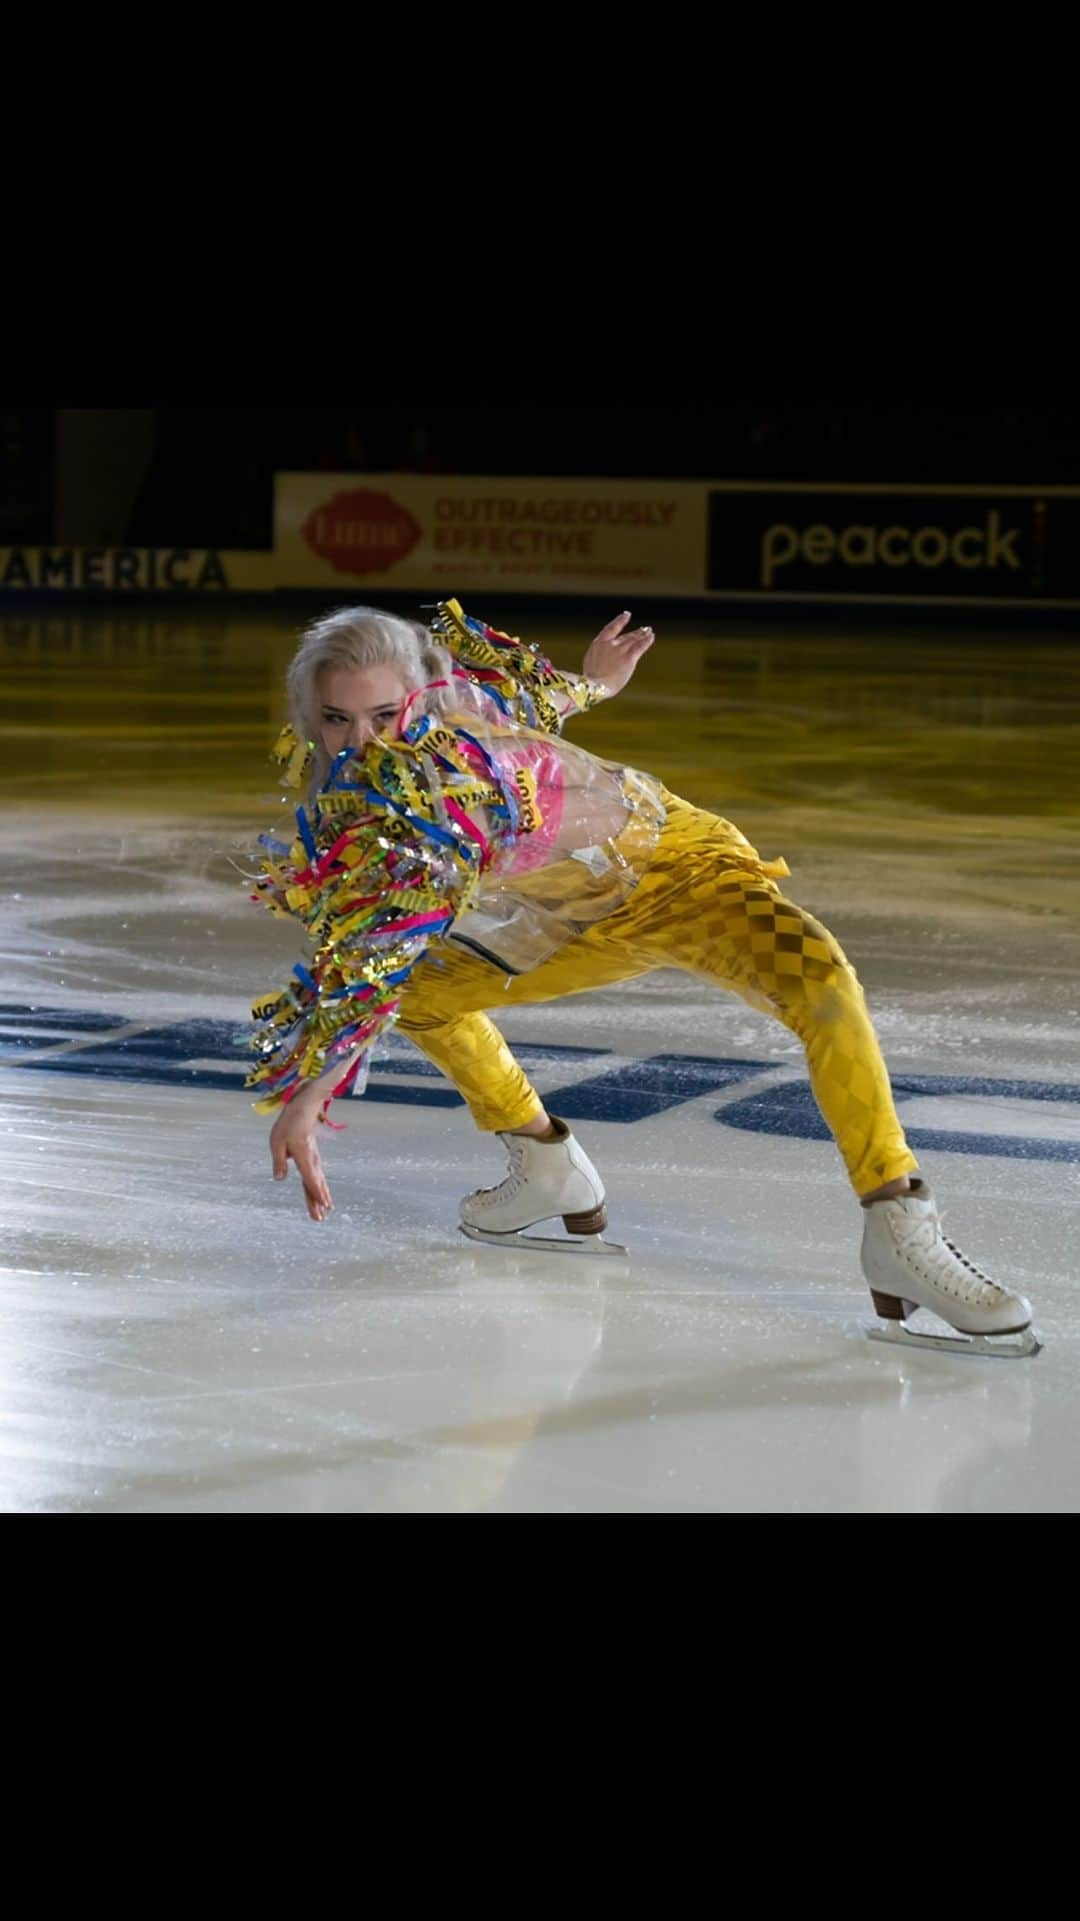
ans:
(358, 637)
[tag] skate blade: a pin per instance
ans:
(997, 1347)
(547, 1244)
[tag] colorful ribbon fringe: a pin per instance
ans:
(387, 857)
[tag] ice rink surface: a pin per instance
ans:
(176, 1336)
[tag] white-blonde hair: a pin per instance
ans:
(358, 637)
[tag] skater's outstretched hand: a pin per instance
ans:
(292, 1138)
(615, 652)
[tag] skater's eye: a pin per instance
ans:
(336, 720)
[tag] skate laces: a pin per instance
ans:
(508, 1188)
(944, 1258)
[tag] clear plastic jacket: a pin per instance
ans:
(480, 824)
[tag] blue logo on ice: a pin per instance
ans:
(952, 1113)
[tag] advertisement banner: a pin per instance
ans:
(139, 570)
(436, 533)
(948, 545)
(351, 537)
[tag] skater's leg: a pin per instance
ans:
(723, 916)
(442, 1012)
(710, 906)
(471, 1052)
(550, 1173)
(779, 956)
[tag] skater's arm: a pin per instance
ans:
(608, 665)
(293, 1136)
(384, 861)
(523, 682)
(614, 654)
(371, 917)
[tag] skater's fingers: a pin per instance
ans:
(640, 641)
(614, 627)
(316, 1187)
(319, 1203)
(288, 1137)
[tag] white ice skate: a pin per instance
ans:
(909, 1264)
(546, 1179)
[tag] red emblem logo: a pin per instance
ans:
(361, 532)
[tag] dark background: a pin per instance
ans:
(203, 476)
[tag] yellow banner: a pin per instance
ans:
(440, 534)
(140, 570)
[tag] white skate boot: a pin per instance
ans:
(546, 1179)
(909, 1264)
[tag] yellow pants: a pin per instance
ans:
(707, 904)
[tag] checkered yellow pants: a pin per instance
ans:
(707, 904)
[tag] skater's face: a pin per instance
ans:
(356, 703)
